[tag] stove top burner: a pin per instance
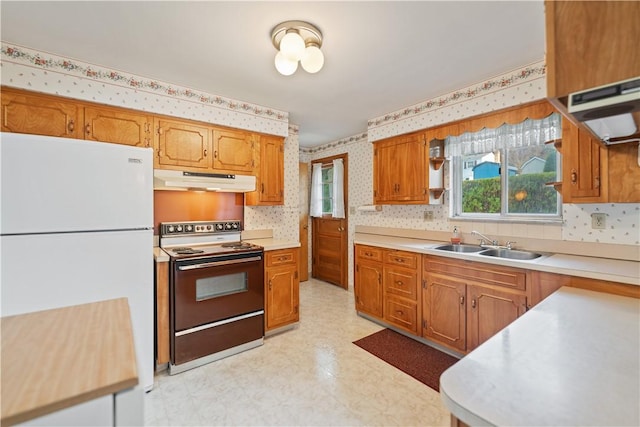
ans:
(187, 251)
(237, 245)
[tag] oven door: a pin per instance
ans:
(215, 288)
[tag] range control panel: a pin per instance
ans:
(199, 227)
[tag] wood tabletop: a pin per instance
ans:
(58, 358)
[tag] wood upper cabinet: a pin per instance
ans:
(585, 166)
(182, 145)
(368, 280)
(117, 126)
(400, 170)
(590, 43)
(489, 311)
(444, 311)
(270, 173)
(282, 293)
(233, 151)
(24, 112)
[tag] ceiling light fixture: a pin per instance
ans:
(297, 41)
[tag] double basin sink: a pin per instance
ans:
(491, 252)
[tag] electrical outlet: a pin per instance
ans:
(598, 221)
(428, 215)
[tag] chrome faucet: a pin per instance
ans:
(484, 239)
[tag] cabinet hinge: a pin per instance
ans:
(357, 268)
(375, 152)
(295, 276)
(295, 310)
(424, 191)
(424, 284)
(380, 278)
(424, 324)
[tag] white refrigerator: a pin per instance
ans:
(76, 226)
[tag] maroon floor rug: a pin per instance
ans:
(422, 362)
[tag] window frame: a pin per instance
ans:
(457, 164)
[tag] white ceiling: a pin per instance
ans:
(379, 56)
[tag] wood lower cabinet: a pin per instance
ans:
(117, 126)
(465, 302)
(489, 311)
(444, 310)
(182, 145)
(270, 173)
(401, 278)
(386, 286)
(27, 112)
(282, 288)
(368, 280)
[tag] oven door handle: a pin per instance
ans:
(217, 263)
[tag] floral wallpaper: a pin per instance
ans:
(42, 72)
(519, 86)
(516, 87)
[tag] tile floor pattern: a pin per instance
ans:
(309, 376)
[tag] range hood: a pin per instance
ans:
(181, 180)
(607, 109)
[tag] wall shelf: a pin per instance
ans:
(557, 143)
(437, 192)
(557, 185)
(437, 162)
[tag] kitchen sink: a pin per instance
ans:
(459, 248)
(510, 254)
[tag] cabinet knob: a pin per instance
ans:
(399, 283)
(473, 303)
(399, 260)
(574, 176)
(87, 128)
(215, 154)
(205, 152)
(270, 284)
(462, 300)
(71, 125)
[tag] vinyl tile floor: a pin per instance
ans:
(312, 375)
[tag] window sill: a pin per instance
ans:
(512, 220)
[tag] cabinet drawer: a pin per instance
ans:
(281, 257)
(369, 252)
(402, 313)
(403, 259)
(509, 277)
(402, 282)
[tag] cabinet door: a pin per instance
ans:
(233, 151)
(368, 287)
(40, 115)
(282, 296)
(117, 126)
(443, 310)
(585, 166)
(489, 311)
(182, 145)
(270, 176)
(400, 172)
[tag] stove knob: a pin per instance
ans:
(235, 225)
(219, 226)
(228, 226)
(209, 227)
(179, 228)
(189, 228)
(170, 229)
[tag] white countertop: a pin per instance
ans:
(582, 266)
(574, 359)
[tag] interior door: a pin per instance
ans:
(303, 188)
(330, 240)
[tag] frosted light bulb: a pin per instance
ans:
(313, 59)
(285, 66)
(292, 46)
